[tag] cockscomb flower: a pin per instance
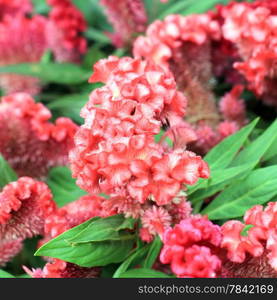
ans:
(128, 17)
(60, 269)
(64, 28)
(28, 141)
(252, 29)
(24, 206)
(14, 7)
(22, 40)
(115, 150)
(253, 254)
(191, 248)
(188, 47)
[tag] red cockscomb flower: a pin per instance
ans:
(255, 253)
(28, 141)
(189, 248)
(24, 206)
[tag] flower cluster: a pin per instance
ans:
(115, 151)
(190, 248)
(252, 29)
(197, 248)
(187, 46)
(128, 17)
(24, 206)
(253, 254)
(63, 31)
(28, 141)
(25, 39)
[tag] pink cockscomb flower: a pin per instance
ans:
(64, 28)
(61, 269)
(24, 206)
(251, 27)
(14, 7)
(128, 17)
(28, 141)
(253, 254)
(22, 40)
(115, 151)
(188, 47)
(191, 248)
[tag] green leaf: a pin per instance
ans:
(244, 232)
(4, 274)
(90, 254)
(103, 229)
(257, 188)
(131, 261)
(70, 106)
(153, 253)
(7, 174)
(63, 186)
(218, 177)
(144, 273)
(222, 154)
(92, 56)
(63, 73)
(255, 150)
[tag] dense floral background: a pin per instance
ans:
(138, 138)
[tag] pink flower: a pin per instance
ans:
(61, 269)
(156, 220)
(26, 133)
(22, 40)
(24, 206)
(190, 248)
(233, 108)
(252, 28)
(14, 7)
(63, 30)
(128, 17)
(258, 245)
(115, 151)
(188, 47)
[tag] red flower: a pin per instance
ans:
(65, 25)
(26, 133)
(14, 7)
(128, 17)
(24, 206)
(22, 40)
(61, 269)
(189, 248)
(258, 245)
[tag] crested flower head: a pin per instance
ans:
(252, 28)
(28, 141)
(14, 7)
(22, 40)
(24, 206)
(257, 246)
(189, 248)
(63, 31)
(115, 151)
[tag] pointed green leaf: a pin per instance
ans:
(7, 174)
(257, 188)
